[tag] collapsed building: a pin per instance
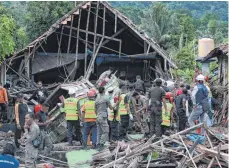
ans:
(219, 80)
(85, 42)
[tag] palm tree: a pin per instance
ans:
(159, 23)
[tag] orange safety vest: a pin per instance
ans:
(122, 106)
(166, 119)
(70, 108)
(3, 96)
(89, 109)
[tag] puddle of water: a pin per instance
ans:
(79, 156)
(136, 136)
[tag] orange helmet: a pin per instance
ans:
(116, 99)
(168, 95)
(91, 94)
(93, 90)
(171, 99)
(37, 108)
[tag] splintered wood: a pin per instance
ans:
(177, 150)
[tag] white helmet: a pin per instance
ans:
(200, 77)
(110, 89)
(71, 91)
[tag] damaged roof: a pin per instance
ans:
(221, 50)
(67, 17)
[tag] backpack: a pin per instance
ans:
(37, 142)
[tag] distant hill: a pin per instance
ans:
(197, 8)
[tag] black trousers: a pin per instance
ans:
(124, 126)
(3, 112)
(17, 135)
(114, 130)
(182, 119)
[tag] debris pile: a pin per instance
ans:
(183, 149)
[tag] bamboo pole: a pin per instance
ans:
(95, 27)
(59, 44)
(151, 145)
(115, 28)
(209, 140)
(114, 35)
(92, 61)
(92, 33)
(70, 34)
(188, 151)
(89, 42)
(86, 42)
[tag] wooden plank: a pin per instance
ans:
(70, 34)
(86, 42)
(89, 70)
(59, 44)
(91, 33)
(115, 28)
(114, 35)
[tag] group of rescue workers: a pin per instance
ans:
(108, 115)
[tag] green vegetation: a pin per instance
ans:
(175, 26)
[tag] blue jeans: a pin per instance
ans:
(77, 132)
(87, 127)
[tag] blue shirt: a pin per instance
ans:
(8, 161)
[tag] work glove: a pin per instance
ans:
(18, 126)
(131, 117)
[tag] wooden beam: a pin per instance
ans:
(59, 43)
(90, 46)
(95, 26)
(115, 28)
(145, 47)
(91, 33)
(3, 73)
(70, 34)
(114, 35)
(86, 42)
(89, 69)
(104, 18)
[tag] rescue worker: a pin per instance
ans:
(156, 97)
(105, 76)
(123, 111)
(89, 119)
(20, 109)
(179, 91)
(32, 132)
(181, 109)
(40, 94)
(132, 107)
(7, 159)
(165, 87)
(113, 118)
(166, 119)
(200, 95)
(73, 116)
(102, 102)
(43, 122)
(139, 85)
(141, 112)
(3, 103)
